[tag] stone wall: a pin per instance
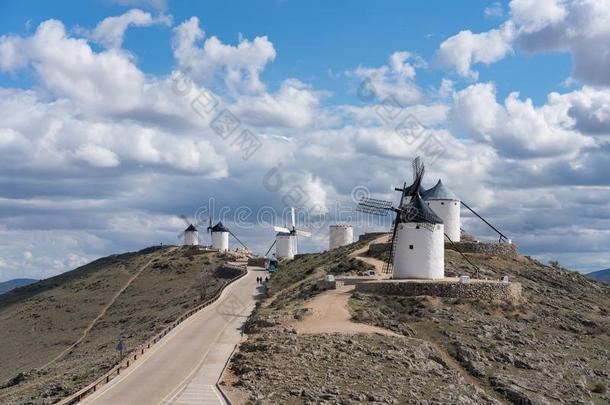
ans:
(477, 289)
(494, 249)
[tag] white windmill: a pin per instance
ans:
(286, 241)
(446, 205)
(220, 237)
(191, 236)
(417, 245)
(340, 235)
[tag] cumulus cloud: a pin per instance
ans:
(110, 31)
(580, 27)
(97, 156)
(294, 105)
(395, 79)
(240, 66)
(467, 48)
(517, 128)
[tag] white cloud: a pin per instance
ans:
(395, 79)
(580, 27)
(466, 48)
(533, 15)
(516, 129)
(11, 55)
(110, 31)
(494, 11)
(239, 65)
(97, 156)
(69, 68)
(294, 105)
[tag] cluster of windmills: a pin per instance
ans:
(219, 236)
(424, 220)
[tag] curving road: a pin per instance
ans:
(184, 366)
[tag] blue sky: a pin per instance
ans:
(100, 155)
(313, 38)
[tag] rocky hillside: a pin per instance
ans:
(130, 297)
(552, 347)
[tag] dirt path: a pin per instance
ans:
(105, 309)
(378, 264)
(329, 313)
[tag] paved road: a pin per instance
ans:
(185, 365)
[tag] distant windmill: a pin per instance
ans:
(191, 236)
(417, 247)
(286, 242)
(220, 236)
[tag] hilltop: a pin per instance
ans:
(552, 346)
(61, 333)
(12, 284)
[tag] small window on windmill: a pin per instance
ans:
(416, 226)
(411, 247)
(442, 203)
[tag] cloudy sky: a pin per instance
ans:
(117, 118)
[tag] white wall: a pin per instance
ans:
(340, 235)
(427, 257)
(220, 241)
(191, 238)
(449, 212)
(285, 246)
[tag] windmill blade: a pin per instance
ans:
(374, 206)
(303, 233)
(210, 225)
(281, 229)
(237, 239)
(270, 247)
(418, 174)
(292, 216)
(186, 221)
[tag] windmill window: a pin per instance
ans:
(442, 203)
(411, 247)
(416, 226)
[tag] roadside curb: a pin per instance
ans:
(224, 369)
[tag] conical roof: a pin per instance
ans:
(191, 228)
(219, 227)
(418, 212)
(439, 192)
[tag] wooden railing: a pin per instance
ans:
(144, 347)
